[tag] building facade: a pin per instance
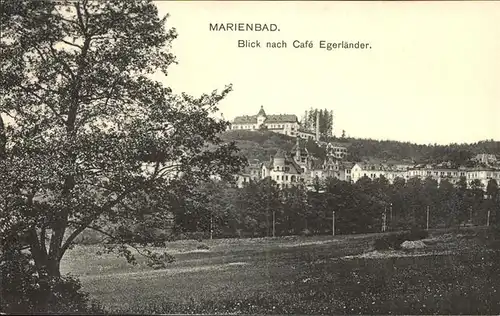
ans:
(437, 172)
(287, 124)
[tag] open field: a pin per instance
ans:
(457, 273)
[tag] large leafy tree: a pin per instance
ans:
(88, 139)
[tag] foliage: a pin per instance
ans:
(23, 290)
(91, 141)
(262, 144)
(358, 207)
(395, 151)
(308, 122)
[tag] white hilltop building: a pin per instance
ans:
(287, 124)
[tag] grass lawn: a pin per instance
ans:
(457, 273)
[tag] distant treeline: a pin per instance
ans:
(262, 144)
(359, 208)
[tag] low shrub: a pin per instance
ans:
(306, 232)
(393, 241)
(417, 234)
(23, 291)
(202, 247)
(198, 236)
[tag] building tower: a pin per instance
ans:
(297, 149)
(317, 125)
(261, 117)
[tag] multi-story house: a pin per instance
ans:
(339, 151)
(438, 173)
(283, 169)
(287, 124)
(486, 159)
(372, 171)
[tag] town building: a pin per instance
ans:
(287, 124)
(437, 172)
(337, 150)
(283, 169)
(486, 159)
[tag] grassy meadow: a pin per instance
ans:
(456, 273)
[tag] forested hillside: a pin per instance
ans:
(262, 144)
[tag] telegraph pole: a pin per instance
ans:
(274, 223)
(428, 217)
(211, 226)
(384, 220)
(333, 223)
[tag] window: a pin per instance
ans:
(286, 178)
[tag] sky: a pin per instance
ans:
(432, 74)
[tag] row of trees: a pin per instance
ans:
(261, 209)
(261, 144)
(456, 154)
(309, 121)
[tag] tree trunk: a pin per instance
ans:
(3, 139)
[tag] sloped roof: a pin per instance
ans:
(282, 118)
(294, 164)
(302, 145)
(267, 164)
(280, 154)
(245, 119)
(347, 165)
(261, 112)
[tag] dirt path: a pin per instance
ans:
(169, 271)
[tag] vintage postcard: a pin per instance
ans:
(250, 157)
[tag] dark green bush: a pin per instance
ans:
(417, 234)
(394, 240)
(23, 291)
(203, 247)
(198, 236)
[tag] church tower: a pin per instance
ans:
(261, 117)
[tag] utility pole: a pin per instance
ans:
(333, 223)
(391, 212)
(384, 220)
(211, 227)
(428, 217)
(274, 223)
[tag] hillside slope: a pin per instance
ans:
(263, 144)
